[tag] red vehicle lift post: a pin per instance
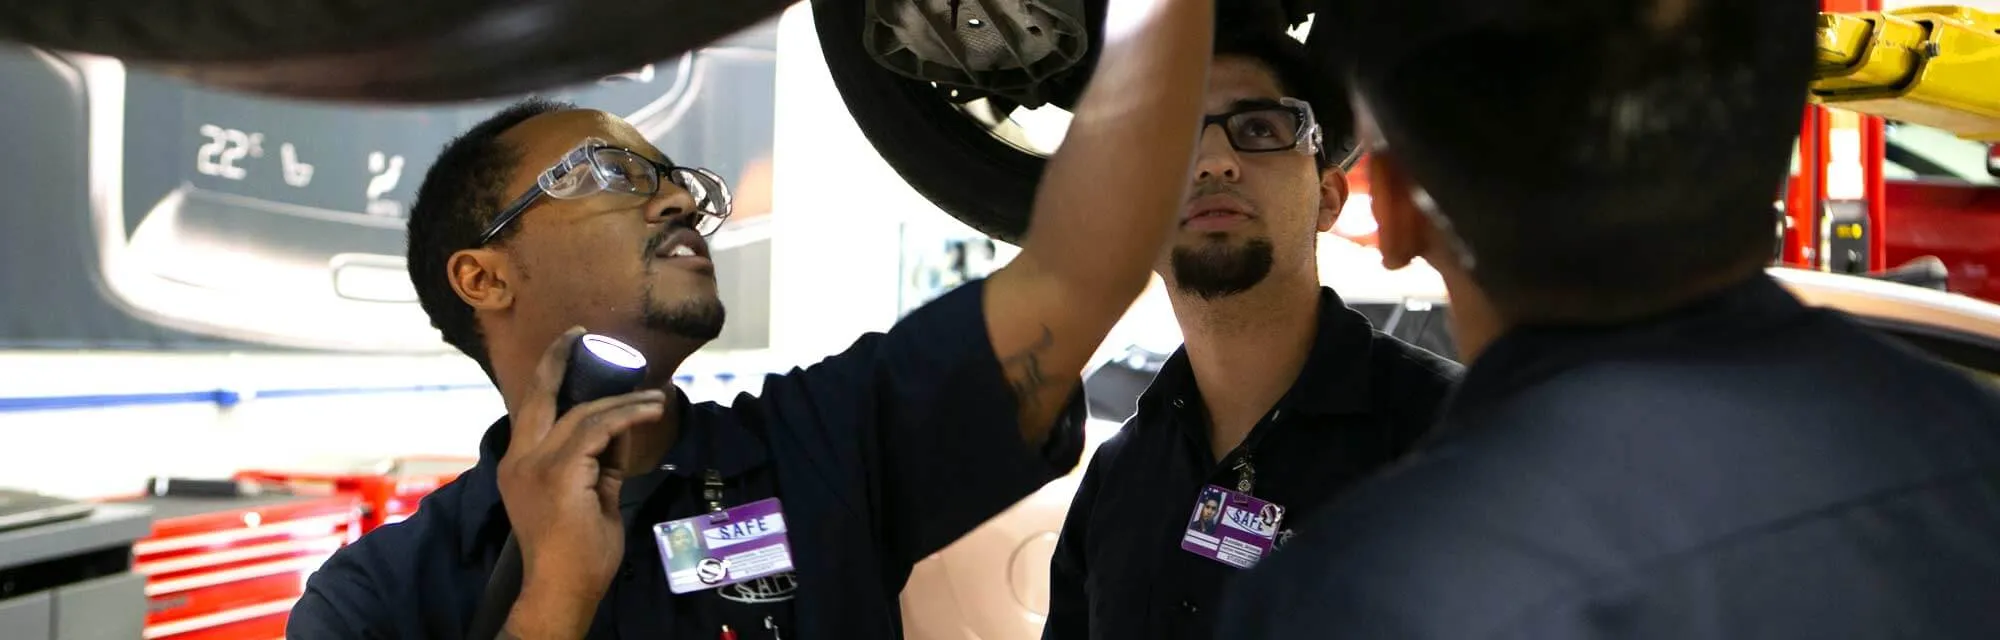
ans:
(1809, 196)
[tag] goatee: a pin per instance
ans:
(1216, 269)
(698, 319)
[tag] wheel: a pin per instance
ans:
(954, 154)
(947, 156)
(381, 50)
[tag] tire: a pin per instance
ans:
(944, 155)
(382, 50)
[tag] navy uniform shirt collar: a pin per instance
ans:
(1525, 356)
(1335, 379)
(483, 519)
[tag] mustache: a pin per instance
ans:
(1205, 189)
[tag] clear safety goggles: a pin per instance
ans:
(597, 167)
(1261, 126)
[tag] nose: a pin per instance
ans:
(1216, 159)
(671, 202)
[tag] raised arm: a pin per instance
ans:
(1107, 201)
(937, 431)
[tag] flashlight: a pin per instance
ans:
(599, 367)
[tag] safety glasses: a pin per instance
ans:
(1262, 126)
(598, 167)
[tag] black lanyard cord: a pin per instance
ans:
(710, 491)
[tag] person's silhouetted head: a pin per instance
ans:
(1579, 161)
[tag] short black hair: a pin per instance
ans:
(1599, 160)
(1299, 76)
(459, 196)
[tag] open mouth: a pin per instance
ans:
(684, 248)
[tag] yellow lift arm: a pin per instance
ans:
(1936, 66)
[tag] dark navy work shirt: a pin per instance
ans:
(1746, 467)
(881, 455)
(1362, 400)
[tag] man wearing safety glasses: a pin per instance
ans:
(546, 218)
(1282, 396)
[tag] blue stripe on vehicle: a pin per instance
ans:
(219, 397)
(232, 397)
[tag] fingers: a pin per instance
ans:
(576, 451)
(538, 410)
(591, 428)
(616, 456)
(609, 492)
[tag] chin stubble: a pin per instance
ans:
(698, 319)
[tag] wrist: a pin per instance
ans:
(560, 578)
(551, 610)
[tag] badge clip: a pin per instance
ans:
(1246, 476)
(712, 490)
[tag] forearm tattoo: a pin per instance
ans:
(1025, 374)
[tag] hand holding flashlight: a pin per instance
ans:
(562, 473)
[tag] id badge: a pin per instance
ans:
(738, 544)
(1232, 528)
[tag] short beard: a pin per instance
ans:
(698, 319)
(1217, 270)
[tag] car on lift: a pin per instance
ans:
(932, 83)
(941, 88)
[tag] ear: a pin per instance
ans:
(482, 278)
(1402, 233)
(1332, 197)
